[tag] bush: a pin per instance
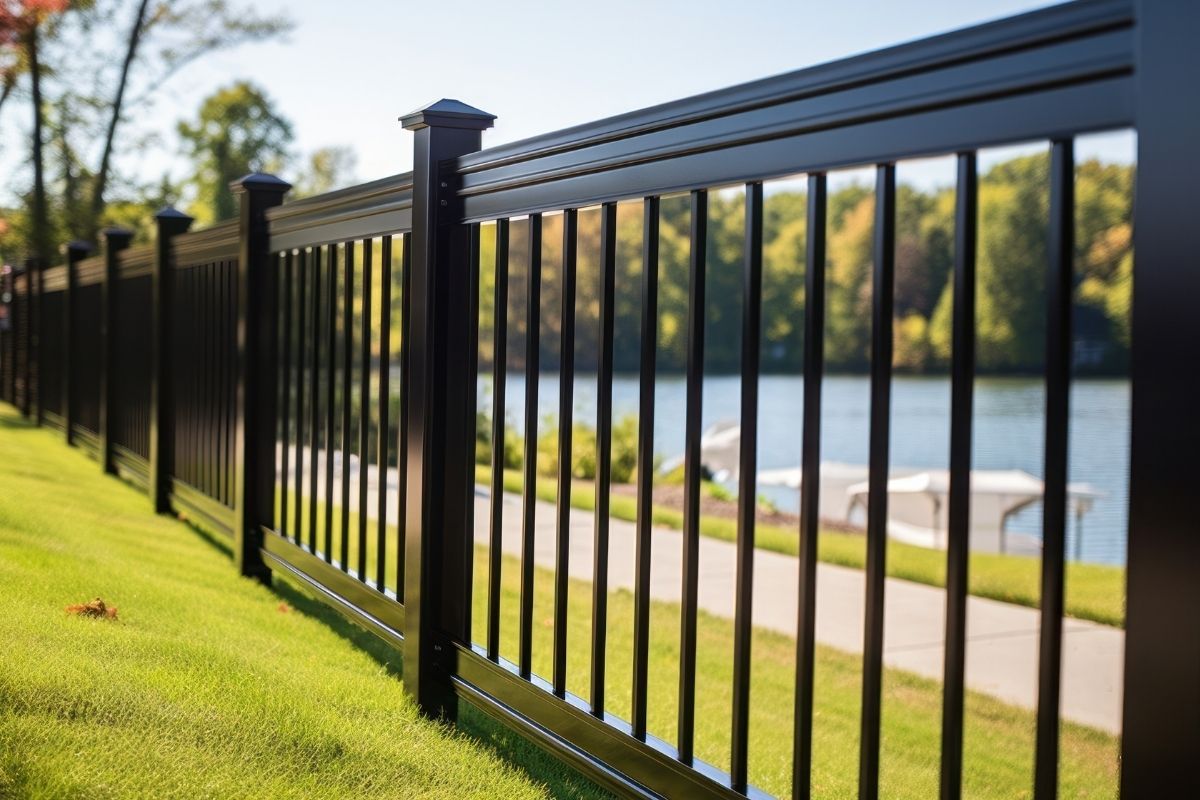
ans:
(483, 442)
(584, 447)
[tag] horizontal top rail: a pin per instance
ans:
(371, 209)
(134, 262)
(1053, 72)
(216, 243)
(54, 279)
(90, 271)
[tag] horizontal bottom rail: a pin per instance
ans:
(604, 749)
(131, 467)
(378, 611)
(188, 500)
(87, 440)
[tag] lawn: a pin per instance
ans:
(999, 737)
(207, 685)
(1094, 592)
(999, 740)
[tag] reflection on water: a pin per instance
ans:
(1008, 431)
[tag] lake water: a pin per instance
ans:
(1008, 432)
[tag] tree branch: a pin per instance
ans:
(99, 185)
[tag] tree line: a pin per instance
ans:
(80, 77)
(1011, 270)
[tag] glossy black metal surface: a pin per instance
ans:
(1059, 297)
(877, 500)
(566, 408)
(747, 484)
(958, 525)
(810, 468)
(645, 457)
(608, 270)
(1161, 727)
(533, 323)
(496, 489)
(692, 468)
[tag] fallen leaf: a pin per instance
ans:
(96, 609)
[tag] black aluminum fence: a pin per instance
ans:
(259, 395)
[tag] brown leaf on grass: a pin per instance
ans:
(283, 608)
(96, 609)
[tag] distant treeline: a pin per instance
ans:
(1013, 202)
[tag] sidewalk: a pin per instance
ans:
(1002, 638)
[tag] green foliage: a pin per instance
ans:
(1013, 199)
(583, 449)
(238, 131)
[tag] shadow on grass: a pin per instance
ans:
(558, 779)
(14, 421)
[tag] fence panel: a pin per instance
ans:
(204, 359)
(51, 345)
(866, 112)
(342, 261)
(133, 335)
(86, 352)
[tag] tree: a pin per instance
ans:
(180, 33)
(328, 168)
(237, 132)
(83, 73)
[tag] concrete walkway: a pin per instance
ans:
(1003, 638)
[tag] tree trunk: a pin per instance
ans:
(41, 221)
(10, 81)
(98, 187)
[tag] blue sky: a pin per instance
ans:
(350, 68)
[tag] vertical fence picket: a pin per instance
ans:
(877, 498)
(604, 373)
(499, 384)
(566, 403)
(533, 321)
(1059, 296)
(692, 467)
(645, 467)
(958, 526)
(810, 471)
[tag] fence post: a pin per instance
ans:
(115, 240)
(33, 301)
(1161, 728)
(169, 223)
(8, 331)
(437, 542)
(76, 252)
(254, 437)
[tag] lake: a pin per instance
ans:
(1008, 432)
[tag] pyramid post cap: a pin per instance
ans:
(448, 113)
(116, 233)
(170, 212)
(78, 246)
(259, 182)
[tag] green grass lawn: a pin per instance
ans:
(204, 687)
(1093, 591)
(999, 738)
